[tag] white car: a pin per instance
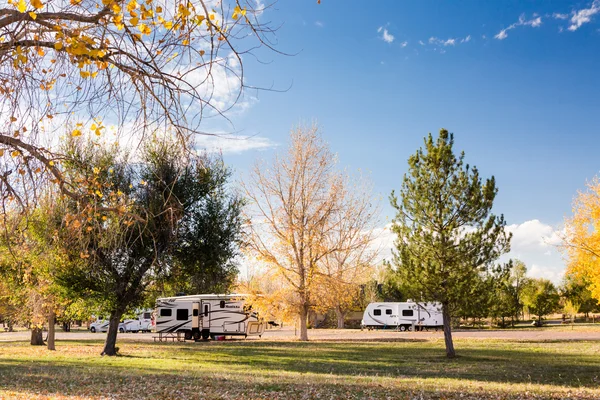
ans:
(100, 325)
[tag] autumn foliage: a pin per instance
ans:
(582, 239)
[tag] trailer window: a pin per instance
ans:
(407, 313)
(147, 315)
(165, 312)
(195, 312)
(388, 311)
(222, 304)
(376, 312)
(206, 310)
(182, 314)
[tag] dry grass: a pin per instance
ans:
(411, 369)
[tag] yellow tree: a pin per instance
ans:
(300, 205)
(582, 238)
(350, 262)
(113, 66)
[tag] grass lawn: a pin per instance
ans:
(411, 369)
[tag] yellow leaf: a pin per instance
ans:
(58, 45)
(98, 193)
(76, 132)
(96, 170)
(185, 42)
(21, 6)
(40, 51)
(15, 153)
(145, 29)
(13, 119)
(104, 218)
(168, 24)
(159, 9)
(37, 4)
(32, 15)
(1, 152)
(116, 8)
(134, 21)
(51, 163)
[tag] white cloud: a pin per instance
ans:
(584, 16)
(232, 144)
(386, 36)
(404, 44)
(533, 242)
(319, 24)
(448, 42)
(466, 40)
(421, 43)
(535, 22)
(501, 35)
(560, 16)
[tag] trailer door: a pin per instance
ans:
(195, 315)
(205, 315)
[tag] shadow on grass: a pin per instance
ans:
(86, 381)
(560, 364)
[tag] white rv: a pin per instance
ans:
(403, 316)
(207, 315)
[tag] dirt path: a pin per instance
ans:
(554, 333)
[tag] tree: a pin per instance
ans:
(28, 264)
(306, 213)
(113, 65)
(446, 233)
(137, 223)
(581, 243)
(576, 290)
(541, 298)
(210, 236)
(517, 282)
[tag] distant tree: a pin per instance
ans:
(446, 233)
(304, 211)
(541, 297)
(29, 261)
(581, 243)
(571, 309)
(518, 280)
(576, 290)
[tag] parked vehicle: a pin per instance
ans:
(100, 325)
(143, 323)
(207, 315)
(403, 316)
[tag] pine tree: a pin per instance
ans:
(446, 234)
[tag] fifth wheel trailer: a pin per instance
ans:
(207, 315)
(403, 316)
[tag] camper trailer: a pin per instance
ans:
(403, 316)
(207, 315)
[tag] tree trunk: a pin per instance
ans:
(51, 335)
(110, 348)
(303, 320)
(37, 339)
(340, 318)
(450, 353)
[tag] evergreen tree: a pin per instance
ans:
(446, 234)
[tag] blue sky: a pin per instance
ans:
(516, 81)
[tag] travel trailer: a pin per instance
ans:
(207, 315)
(403, 316)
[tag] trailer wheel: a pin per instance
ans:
(196, 335)
(121, 330)
(402, 328)
(93, 329)
(205, 334)
(188, 335)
